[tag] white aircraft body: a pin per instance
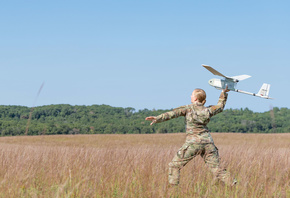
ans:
(231, 82)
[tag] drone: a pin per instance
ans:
(231, 83)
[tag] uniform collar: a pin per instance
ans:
(197, 103)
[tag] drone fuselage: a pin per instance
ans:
(222, 83)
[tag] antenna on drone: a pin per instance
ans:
(32, 108)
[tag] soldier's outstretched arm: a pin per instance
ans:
(221, 103)
(167, 116)
(171, 114)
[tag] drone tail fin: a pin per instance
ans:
(264, 91)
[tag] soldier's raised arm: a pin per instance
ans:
(215, 109)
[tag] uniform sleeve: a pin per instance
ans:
(220, 105)
(171, 114)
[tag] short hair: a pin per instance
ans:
(200, 95)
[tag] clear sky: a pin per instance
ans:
(142, 54)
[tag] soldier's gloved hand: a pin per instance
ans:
(151, 118)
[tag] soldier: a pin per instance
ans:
(198, 139)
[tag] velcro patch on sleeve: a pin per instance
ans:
(213, 108)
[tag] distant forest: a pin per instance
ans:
(104, 119)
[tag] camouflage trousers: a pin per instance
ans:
(188, 151)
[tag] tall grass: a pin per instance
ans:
(136, 166)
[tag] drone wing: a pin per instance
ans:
(234, 78)
(241, 77)
(212, 70)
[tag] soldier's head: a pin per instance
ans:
(198, 95)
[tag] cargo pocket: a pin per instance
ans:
(211, 148)
(181, 152)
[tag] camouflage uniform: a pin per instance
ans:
(198, 138)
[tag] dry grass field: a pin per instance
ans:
(136, 166)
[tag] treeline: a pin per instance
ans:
(104, 119)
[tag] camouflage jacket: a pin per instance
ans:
(196, 118)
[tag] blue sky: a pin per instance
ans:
(142, 54)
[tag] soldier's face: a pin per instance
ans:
(193, 98)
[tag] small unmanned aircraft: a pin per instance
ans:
(231, 82)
